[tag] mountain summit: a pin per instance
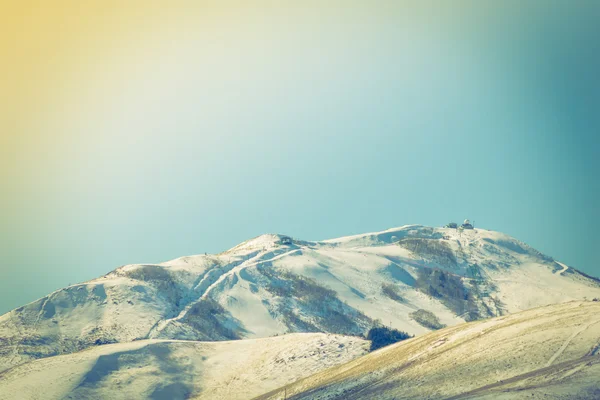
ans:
(413, 278)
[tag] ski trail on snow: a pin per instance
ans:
(569, 339)
(249, 263)
(564, 268)
(235, 267)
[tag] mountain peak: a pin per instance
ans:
(266, 241)
(414, 278)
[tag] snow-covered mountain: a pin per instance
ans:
(413, 278)
(550, 352)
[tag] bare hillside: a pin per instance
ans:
(551, 352)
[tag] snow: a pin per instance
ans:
(564, 268)
(543, 352)
(149, 301)
(367, 239)
(206, 370)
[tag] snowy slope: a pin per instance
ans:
(551, 352)
(166, 369)
(263, 287)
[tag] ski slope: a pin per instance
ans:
(263, 287)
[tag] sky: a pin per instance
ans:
(138, 132)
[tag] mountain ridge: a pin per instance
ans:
(273, 284)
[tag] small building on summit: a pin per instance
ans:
(286, 240)
(467, 224)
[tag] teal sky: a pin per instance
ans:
(314, 122)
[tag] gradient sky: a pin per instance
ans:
(137, 132)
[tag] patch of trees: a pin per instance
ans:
(427, 319)
(284, 283)
(449, 289)
(100, 336)
(431, 249)
(103, 341)
(306, 306)
(207, 315)
(391, 291)
(161, 279)
(381, 336)
(573, 271)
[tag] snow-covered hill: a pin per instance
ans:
(413, 278)
(167, 369)
(550, 352)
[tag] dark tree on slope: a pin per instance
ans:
(383, 336)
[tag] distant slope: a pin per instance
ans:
(551, 352)
(157, 369)
(267, 286)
